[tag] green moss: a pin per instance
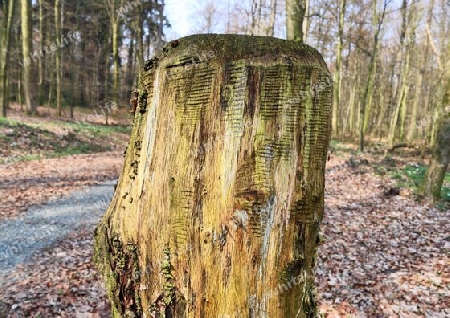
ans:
(412, 176)
(117, 264)
(166, 270)
(202, 48)
(102, 261)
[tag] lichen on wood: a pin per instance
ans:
(227, 157)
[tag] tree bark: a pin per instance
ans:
(5, 45)
(273, 12)
(25, 15)
(366, 102)
(413, 24)
(140, 40)
(218, 207)
(41, 49)
(58, 58)
(338, 68)
(441, 150)
(296, 19)
(115, 51)
(438, 164)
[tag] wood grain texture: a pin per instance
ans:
(217, 210)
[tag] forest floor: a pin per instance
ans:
(384, 252)
(44, 158)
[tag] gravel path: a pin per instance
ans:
(42, 225)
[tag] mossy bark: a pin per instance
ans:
(5, 46)
(440, 160)
(27, 48)
(218, 207)
(434, 178)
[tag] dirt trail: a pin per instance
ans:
(25, 184)
(42, 225)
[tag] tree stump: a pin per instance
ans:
(217, 209)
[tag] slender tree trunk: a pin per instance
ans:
(130, 64)
(307, 20)
(273, 12)
(140, 39)
(400, 108)
(369, 103)
(353, 105)
(295, 18)
(254, 19)
(62, 44)
(367, 95)
(217, 211)
(27, 51)
(423, 62)
(58, 57)
(41, 49)
(259, 21)
(5, 46)
(381, 113)
(115, 49)
(413, 121)
(338, 68)
(82, 76)
(161, 19)
(409, 47)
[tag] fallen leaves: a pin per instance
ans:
(383, 256)
(24, 184)
(61, 281)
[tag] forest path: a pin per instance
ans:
(44, 224)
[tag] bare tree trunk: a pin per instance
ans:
(307, 20)
(5, 45)
(423, 62)
(254, 19)
(27, 49)
(413, 23)
(438, 164)
(217, 210)
(296, 10)
(273, 12)
(377, 23)
(338, 68)
(41, 49)
(400, 108)
(129, 70)
(140, 39)
(353, 106)
(441, 147)
(115, 49)
(58, 58)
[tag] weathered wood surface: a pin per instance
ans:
(217, 209)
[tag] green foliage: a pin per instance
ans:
(6, 122)
(30, 141)
(412, 176)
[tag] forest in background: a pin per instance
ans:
(388, 58)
